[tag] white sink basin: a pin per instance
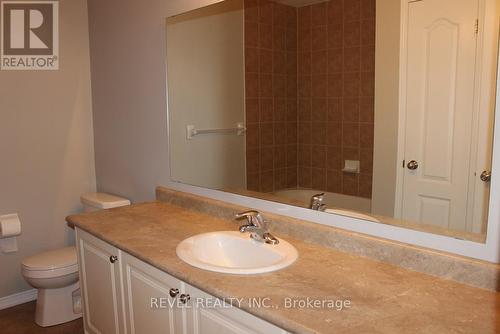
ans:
(353, 214)
(233, 252)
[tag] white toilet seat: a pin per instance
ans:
(55, 263)
(51, 273)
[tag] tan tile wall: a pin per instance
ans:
(309, 89)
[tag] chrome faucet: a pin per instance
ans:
(257, 226)
(317, 202)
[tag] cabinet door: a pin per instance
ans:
(100, 284)
(219, 320)
(150, 299)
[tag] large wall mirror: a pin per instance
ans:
(381, 110)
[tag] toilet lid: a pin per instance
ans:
(54, 259)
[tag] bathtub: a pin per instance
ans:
(330, 199)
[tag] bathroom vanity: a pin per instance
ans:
(124, 294)
(127, 256)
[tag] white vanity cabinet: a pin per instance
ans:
(100, 283)
(122, 294)
(147, 293)
(223, 320)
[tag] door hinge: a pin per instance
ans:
(476, 27)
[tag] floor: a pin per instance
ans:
(20, 320)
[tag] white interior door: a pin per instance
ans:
(482, 143)
(479, 188)
(441, 56)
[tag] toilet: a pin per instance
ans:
(55, 273)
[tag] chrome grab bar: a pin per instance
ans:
(191, 130)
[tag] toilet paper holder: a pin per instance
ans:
(10, 228)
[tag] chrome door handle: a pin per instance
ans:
(485, 176)
(113, 258)
(412, 165)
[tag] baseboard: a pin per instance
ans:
(18, 298)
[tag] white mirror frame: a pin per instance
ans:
(489, 251)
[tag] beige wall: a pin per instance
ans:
(205, 66)
(385, 162)
(46, 146)
(127, 46)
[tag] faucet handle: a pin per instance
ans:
(319, 196)
(257, 226)
(249, 213)
(253, 217)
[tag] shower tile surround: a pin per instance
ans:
(327, 114)
(271, 95)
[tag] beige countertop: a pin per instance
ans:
(384, 298)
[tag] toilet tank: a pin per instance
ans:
(99, 201)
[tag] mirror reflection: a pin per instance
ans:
(381, 110)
